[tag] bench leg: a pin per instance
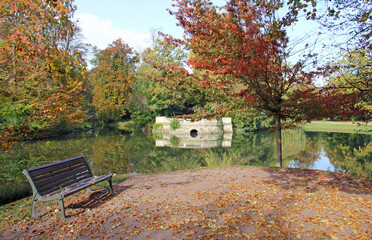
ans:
(62, 209)
(33, 213)
(110, 183)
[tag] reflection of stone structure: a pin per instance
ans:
(194, 134)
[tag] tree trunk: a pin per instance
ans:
(278, 140)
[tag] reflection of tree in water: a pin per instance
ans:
(350, 153)
(293, 142)
(138, 153)
(122, 153)
(166, 159)
(248, 149)
(110, 154)
(353, 141)
(253, 149)
(306, 157)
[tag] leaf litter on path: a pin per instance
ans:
(227, 203)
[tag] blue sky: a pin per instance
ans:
(103, 21)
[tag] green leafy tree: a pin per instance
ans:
(352, 81)
(166, 87)
(162, 98)
(113, 79)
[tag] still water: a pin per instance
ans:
(138, 152)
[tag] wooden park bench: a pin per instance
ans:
(57, 180)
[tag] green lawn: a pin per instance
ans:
(332, 126)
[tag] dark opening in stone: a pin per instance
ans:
(194, 133)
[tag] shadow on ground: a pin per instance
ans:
(99, 197)
(312, 180)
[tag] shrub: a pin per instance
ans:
(174, 141)
(175, 124)
(157, 126)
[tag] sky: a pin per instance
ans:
(103, 21)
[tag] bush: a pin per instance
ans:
(175, 124)
(174, 141)
(157, 126)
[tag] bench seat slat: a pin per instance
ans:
(70, 160)
(73, 188)
(48, 171)
(85, 184)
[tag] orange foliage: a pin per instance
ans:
(40, 80)
(113, 79)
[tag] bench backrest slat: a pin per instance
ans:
(52, 167)
(55, 176)
(60, 179)
(61, 171)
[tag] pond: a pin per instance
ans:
(138, 153)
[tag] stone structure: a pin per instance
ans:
(194, 134)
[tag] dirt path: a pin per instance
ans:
(228, 203)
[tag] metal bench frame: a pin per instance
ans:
(55, 181)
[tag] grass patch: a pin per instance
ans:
(20, 210)
(340, 127)
(14, 212)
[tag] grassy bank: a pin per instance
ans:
(333, 126)
(20, 210)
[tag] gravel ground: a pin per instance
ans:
(226, 203)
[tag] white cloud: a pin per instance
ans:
(101, 33)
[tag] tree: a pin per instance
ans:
(246, 39)
(352, 83)
(113, 79)
(41, 75)
(349, 19)
(165, 87)
(153, 78)
(348, 23)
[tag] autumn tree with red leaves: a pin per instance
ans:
(246, 39)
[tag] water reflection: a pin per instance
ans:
(119, 153)
(337, 152)
(316, 160)
(194, 140)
